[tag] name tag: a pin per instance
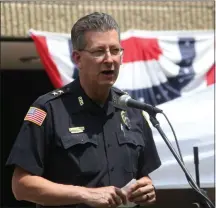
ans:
(75, 130)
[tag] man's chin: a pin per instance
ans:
(107, 83)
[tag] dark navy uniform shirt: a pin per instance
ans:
(78, 142)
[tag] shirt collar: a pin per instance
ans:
(81, 102)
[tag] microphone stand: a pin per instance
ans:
(206, 203)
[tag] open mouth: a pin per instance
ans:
(110, 72)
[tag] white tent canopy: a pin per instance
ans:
(192, 118)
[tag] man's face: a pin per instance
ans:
(100, 60)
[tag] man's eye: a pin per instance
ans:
(98, 52)
(115, 51)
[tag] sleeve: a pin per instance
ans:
(31, 144)
(149, 159)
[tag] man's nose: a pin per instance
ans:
(108, 56)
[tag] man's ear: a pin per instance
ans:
(76, 59)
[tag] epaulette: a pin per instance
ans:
(118, 91)
(51, 95)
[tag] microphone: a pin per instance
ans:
(127, 101)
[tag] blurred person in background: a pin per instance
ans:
(77, 146)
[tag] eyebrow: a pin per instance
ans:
(102, 47)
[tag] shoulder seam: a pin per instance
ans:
(51, 96)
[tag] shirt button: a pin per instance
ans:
(112, 169)
(109, 145)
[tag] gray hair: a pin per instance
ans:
(92, 22)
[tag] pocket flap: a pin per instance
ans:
(130, 138)
(75, 139)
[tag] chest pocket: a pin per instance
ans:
(131, 143)
(83, 150)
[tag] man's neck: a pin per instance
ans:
(96, 93)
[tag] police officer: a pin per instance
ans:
(77, 146)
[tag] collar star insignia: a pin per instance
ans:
(60, 91)
(114, 98)
(57, 92)
(54, 93)
(80, 99)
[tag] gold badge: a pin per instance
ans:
(146, 117)
(80, 99)
(125, 119)
(75, 130)
(144, 114)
